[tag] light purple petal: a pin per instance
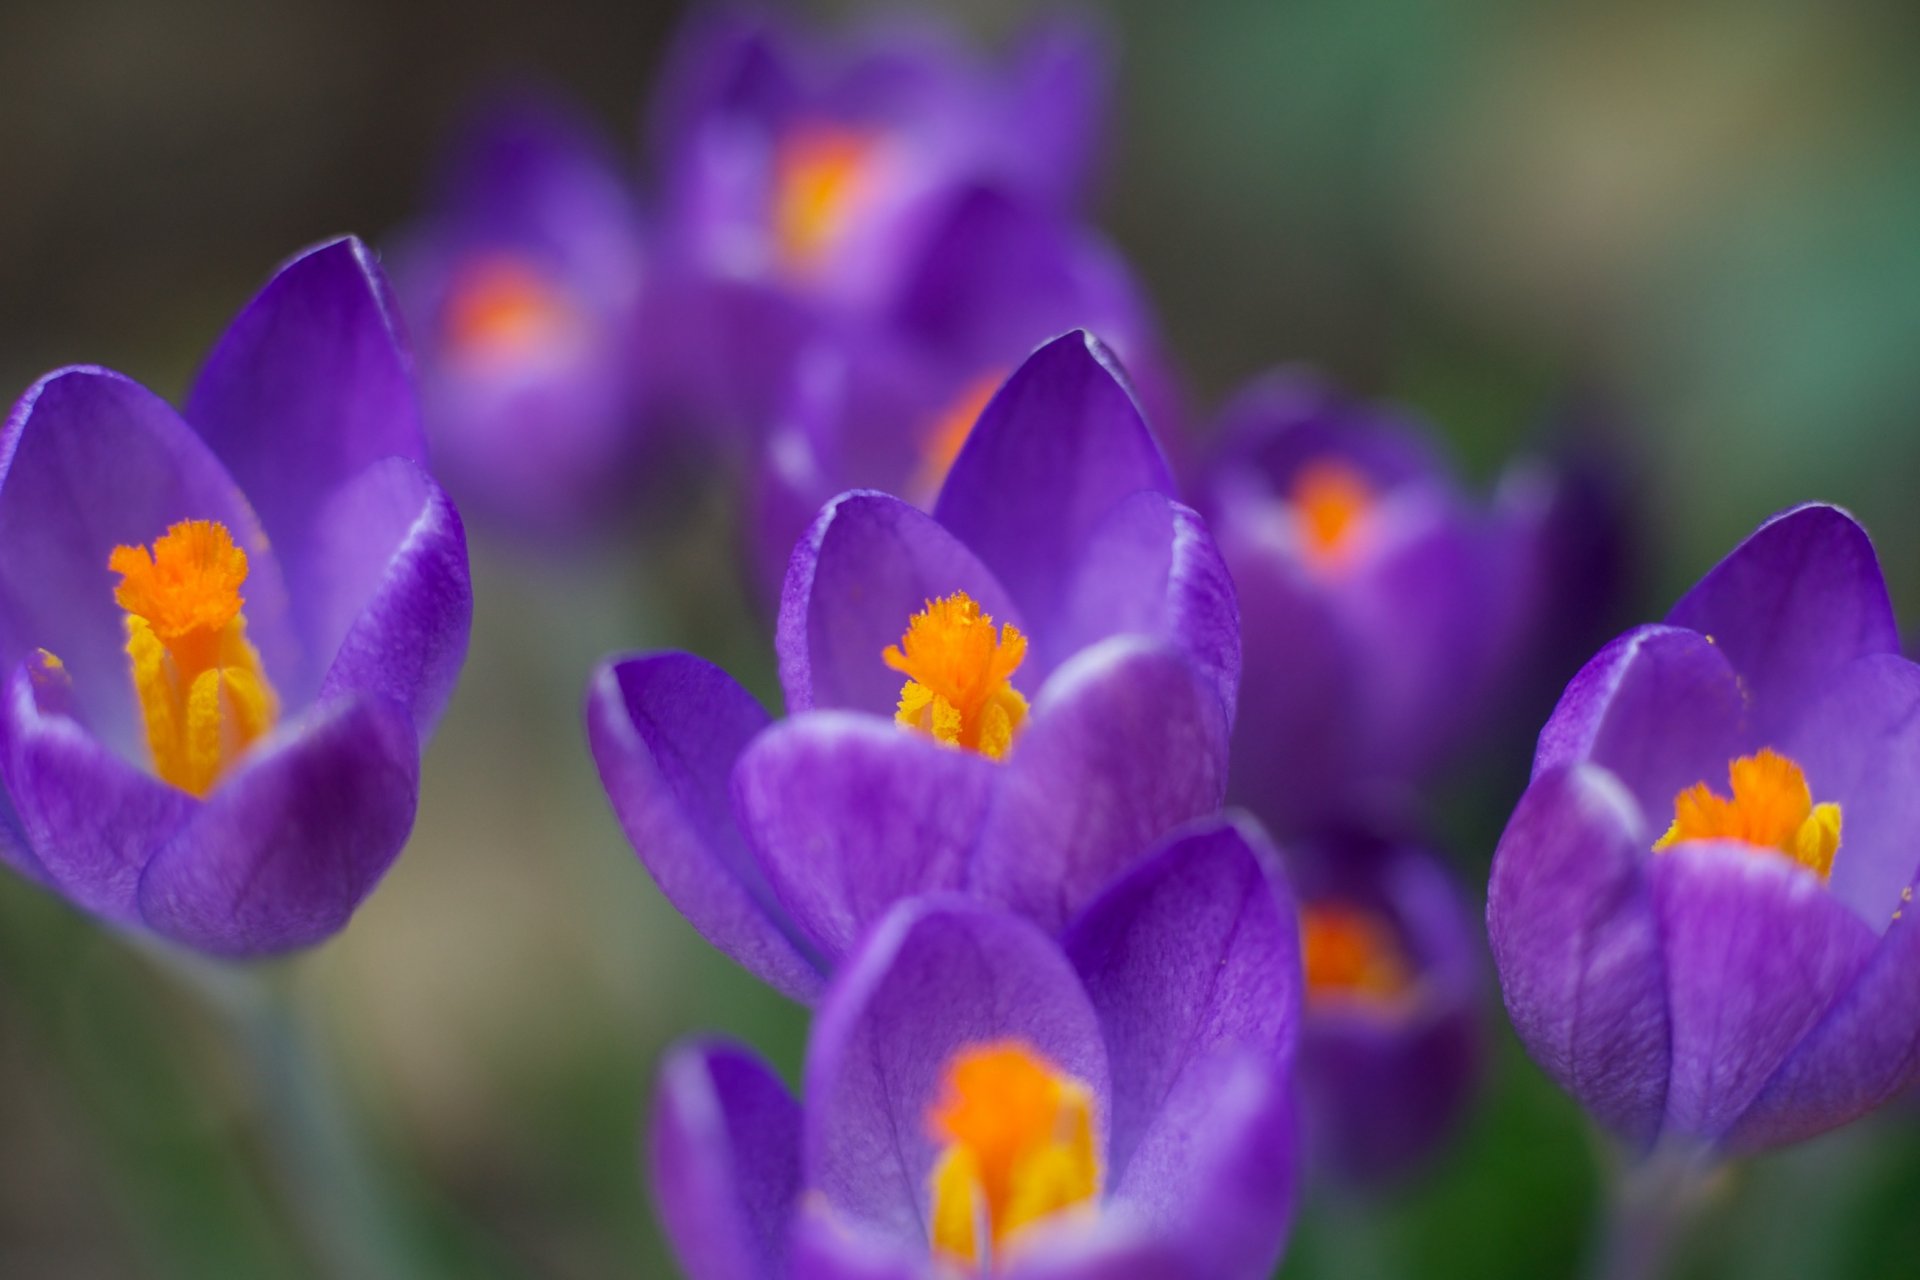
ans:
(1578, 947)
(848, 814)
(724, 1157)
(1756, 951)
(286, 846)
(1796, 601)
(934, 977)
(1126, 743)
(868, 564)
(666, 730)
(1660, 709)
(392, 555)
(1056, 449)
(826, 1247)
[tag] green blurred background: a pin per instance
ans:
(1704, 214)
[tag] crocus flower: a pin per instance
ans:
(1697, 910)
(803, 171)
(1014, 696)
(982, 1100)
(523, 282)
(1388, 602)
(228, 630)
(1390, 1031)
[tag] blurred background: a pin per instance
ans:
(1701, 215)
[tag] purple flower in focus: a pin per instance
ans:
(1385, 605)
(1698, 910)
(223, 746)
(524, 284)
(1390, 1033)
(1015, 696)
(980, 1099)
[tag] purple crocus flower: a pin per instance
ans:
(1390, 1034)
(1697, 910)
(1390, 603)
(1056, 567)
(223, 746)
(524, 285)
(981, 1099)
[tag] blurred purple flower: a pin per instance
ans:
(782, 842)
(981, 1099)
(224, 749)
(524, 284)
(1390, 1039)
(1747, 978)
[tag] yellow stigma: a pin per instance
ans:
(1772, 808)
(957, 671)
(1330, 499)
(943, 443)
(502, 305)
(203, 695)
(820, 173)
(1017, 1146)
(1350, 954)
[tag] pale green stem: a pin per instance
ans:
(1653, 1203)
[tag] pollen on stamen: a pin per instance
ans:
(1771, 808)
(189, 582)
(958, 670)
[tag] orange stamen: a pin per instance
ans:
(1350, 954)
(1331, 500)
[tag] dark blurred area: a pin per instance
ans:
(1702, 216)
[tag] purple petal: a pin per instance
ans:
(1578, 947)
(725, 1162)
(94, 461)
(1796, 601)
(849, 814)
(724, 66)
(1111, 1247)
(666, 730)
(394, 591)
(1660, 709)
(1126, 742)
(933, 978)
(1756, 950)
(285, 847)
(90, 819)
(1152, 569)
(825, 1247)
(1063, 83)
(1054, 452)
(869, 564)
(1292, 416)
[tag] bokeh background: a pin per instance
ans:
(1703, 217)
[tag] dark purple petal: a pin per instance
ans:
(1795, 602)
(94, 461)
(666, 730)
(401, 619)
(1126, 742)
(934, 977)
(1579, 949)
(868, 564)
(1292, 416)
(849, 814)
(725, 1162)
(1756, 951)
(286, 846)
(90, 818)
(1054, 452)
(1151, 568)
(1660, 709)
(1195, 951)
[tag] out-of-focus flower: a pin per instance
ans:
(1698, 908)
(1390, 1033)
(1015, 696)
(524, 284)
(228, 630)
(803, 174)
(1384, 605)
(980, 1099)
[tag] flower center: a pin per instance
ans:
(1330, 499)
(203, 696)
(501, 305)
(1017, 1147)
(957, 672)
(820, 173)
(1772, 808)
(1349, 953)
(943, 443)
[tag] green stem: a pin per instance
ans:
(1653, 1204)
